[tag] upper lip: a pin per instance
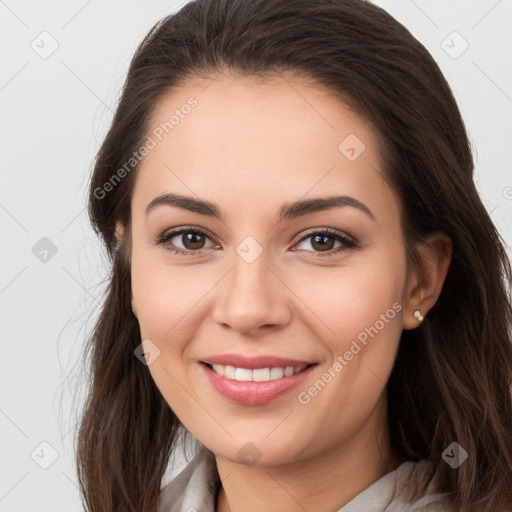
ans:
(262, 361)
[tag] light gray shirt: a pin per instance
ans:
(195, 489)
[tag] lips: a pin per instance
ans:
(245, 391)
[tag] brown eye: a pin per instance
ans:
(192, 240)
(323, 243)
(184, 241)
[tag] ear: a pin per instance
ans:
(426, 282)
(119, 233)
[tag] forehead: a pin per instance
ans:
(248, 140)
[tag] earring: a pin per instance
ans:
(417, 314)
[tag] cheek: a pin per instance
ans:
(349, 300)
(167, 311)
(360, 312)
(369, 300)
(168, 298)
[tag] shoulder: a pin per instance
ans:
(417, 485)
(411, 487)
(195, 488)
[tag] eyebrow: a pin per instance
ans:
(288, 211)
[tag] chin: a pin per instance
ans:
(259, 451)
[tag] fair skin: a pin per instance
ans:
(251, 147)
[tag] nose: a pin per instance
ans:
(252, 297)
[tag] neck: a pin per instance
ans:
(325, 482)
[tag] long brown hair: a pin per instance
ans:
(452, 377)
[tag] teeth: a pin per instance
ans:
(276, 373)
(288, 371)
(257, 375)
(229, 372)
(261, 375)
(243, 374)
(219, 369)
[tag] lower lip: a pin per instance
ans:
(254, 393)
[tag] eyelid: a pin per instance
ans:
(348, 241)
(171, 233)
(330, 231)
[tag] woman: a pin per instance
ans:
(304, 280)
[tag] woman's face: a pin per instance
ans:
(259, 284)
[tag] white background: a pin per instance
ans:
(54, 113)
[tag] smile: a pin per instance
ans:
(255, 375)
(256, 386)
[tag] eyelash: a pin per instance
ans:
(165, 237)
